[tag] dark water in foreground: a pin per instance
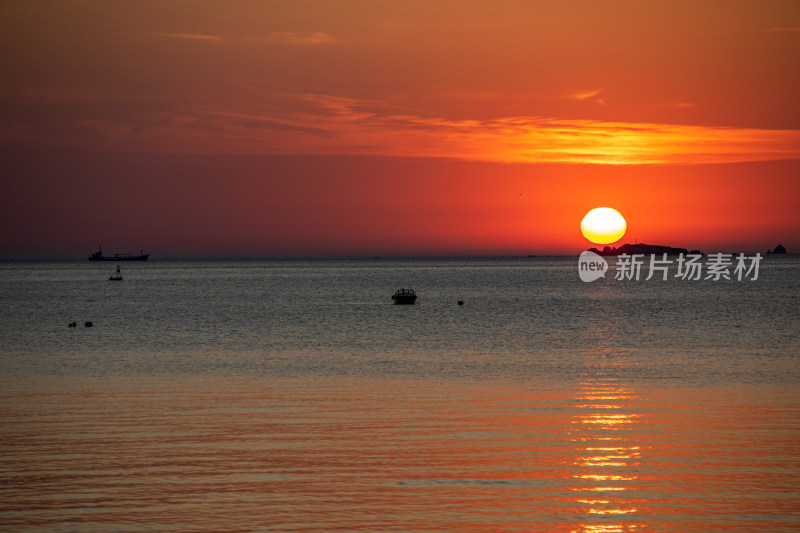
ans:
(292, 396)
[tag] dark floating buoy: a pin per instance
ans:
(118, 277)
(72, 325)
(88, 324)
(460, 302)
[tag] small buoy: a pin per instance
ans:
(72, 325)
(88, 324)
(460, 302)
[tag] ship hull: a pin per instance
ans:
(121, 258)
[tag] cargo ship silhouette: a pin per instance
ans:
(98, 256)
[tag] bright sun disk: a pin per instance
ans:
(603, 225)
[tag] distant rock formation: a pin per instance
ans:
(645, 249)
(778, 250)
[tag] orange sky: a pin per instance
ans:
(377, 128)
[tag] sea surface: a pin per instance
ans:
(291, 395)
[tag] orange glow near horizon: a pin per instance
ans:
(346, 206)
(290, 130)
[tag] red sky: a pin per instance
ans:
(389, 128)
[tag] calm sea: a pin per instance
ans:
(272, 395)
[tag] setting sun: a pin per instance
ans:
(603, 225)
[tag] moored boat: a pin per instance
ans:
(404, 297)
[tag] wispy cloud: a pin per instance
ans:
(285, 38)
(584, 95)
(194, 37)
(325, 124)
(591, 95)
(782, 29)
(344, 125)
(293, 38)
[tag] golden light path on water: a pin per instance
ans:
(227, 454)
(606, 453)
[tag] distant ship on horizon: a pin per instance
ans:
(98, 256)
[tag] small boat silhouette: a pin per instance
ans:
(404, 297)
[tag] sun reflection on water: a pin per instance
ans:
(606, 456)
(607, 528)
